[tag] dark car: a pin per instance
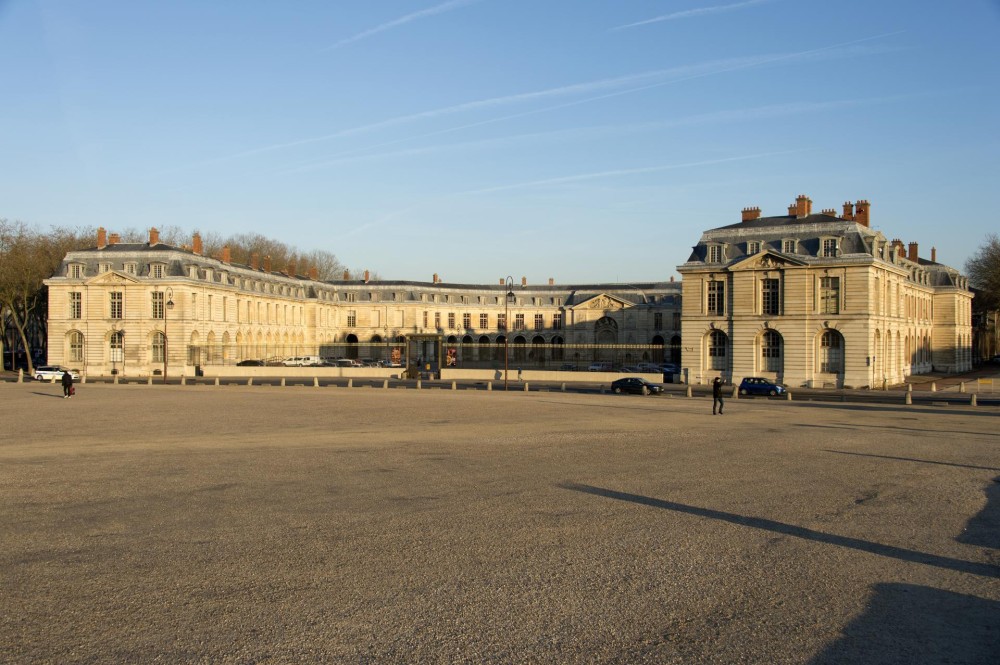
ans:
(755, 385)
(250, 363)
(636, 386)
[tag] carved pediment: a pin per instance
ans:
(112, 278)
(602, 301)
(766, 260)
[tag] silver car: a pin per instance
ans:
(49, 372)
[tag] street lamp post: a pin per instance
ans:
(166, 307)
(509, 298)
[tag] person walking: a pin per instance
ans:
(67, 384)
(717, 400)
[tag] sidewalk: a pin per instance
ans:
(951, 382)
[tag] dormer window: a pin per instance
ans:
(105, 267)
(75, 271)
(131, 268)
(788, 246)
(715, 253)
(156, 270)
(830, 247)
(753, 247)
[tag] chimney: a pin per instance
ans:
(897, 247)
(750, 214)
(792, 209)
(934, 254)
(829, 212)
(524, 281)
(503, 282)
(102, 238)
(671, 279)
(848, 211)
(227, 255)
(861, 217)
(803, 206)
(367, 277)
(913, 252)
(435, 278)
(154, 237)
(347, 275)
(114, 239)
(254, 261)
(196, 245)
(551, 281)
(314, 273)
(267, 263)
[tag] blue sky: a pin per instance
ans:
(583, 140)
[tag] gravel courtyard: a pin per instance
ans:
(250, 524)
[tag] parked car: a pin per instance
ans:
(49, 372)
(599, 367)
(636, 386)
(390, 363)
(250, 363)
(755, 385)
(649, 368)
(567, 367)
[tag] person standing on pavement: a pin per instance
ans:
(67, 384)
(717, 400)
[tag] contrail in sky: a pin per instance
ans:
(402, 20)
(718, 9)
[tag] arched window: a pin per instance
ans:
(770, 351)
(76, 346)
(158, 348)
(717, 343)
(831, 352)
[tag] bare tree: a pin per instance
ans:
(983, 269)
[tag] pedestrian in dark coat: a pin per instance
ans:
(717, 396)
(67, 384)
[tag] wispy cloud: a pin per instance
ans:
(688, 13)
(402, 20)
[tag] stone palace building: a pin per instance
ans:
(808, 299)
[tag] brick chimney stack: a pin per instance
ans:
(367, 276)
(114, 239)
(254, 261)
(154, 237)
(750, 214)
(551, 281)
(267, 263)
(524, 281)
(934, 254)
(347, 275)
(830, 212)
(848, 211)
(435, 278)
(503, 281)
(913, 252)
(102, 238)
(227, 255)
(314, 273)
(792, 210)
(803, 206)
(861, 217)
(196, 245)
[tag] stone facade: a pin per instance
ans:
(819, 300)
(149, 308)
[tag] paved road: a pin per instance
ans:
(268, 525)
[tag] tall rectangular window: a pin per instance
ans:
(715, 254)
(76, 271)
(157, 303)
(716, 297)
(115, 311)
(753, 247)
(658, 320)
(156, 271)
(539, 322)
(437, 319)
(788, 246)
(466, 320)
(352, 318)
(75, 305)
(502, 321)
(829, 247)
(425, 318)
(484, 321)
(676, 316)
(770, 297)
(519, 322)
(829, 295)
(557, 321)
(451, 320)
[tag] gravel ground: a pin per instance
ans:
(295, 525)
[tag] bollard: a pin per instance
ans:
(114, 382)
(564, 387)
(908, 399)
(525, 386)
(83, 379)
(350, 383)
(788, 396)
(20, 376)
(53, 379)
(933, 386)
(418, 384)
(385, 384)
(282, 382)
(909, 387)
(183, 380)
(961, 386)
(736, 392)
(453, 386)
(149, 380)
(688, 392)
(250, 381)
(972, 400)
(315, 382)
(216, 380)
(489, 386)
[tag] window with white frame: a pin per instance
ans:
(753, 247)
(716, 302)
(484, 321)
(156, 271)
(519, 322)
(350, 297)
(466, 320)
(352, 318)
(715, 253)
(770, 351)
(657, 320)
(451, 320)
(830, 247)
(159, 345)
(157, 304)
(131, 268)
(831, 352)
(425, 319)
(115, 304)
(76, 271)
(105, 267)
(437, 320)
(539, 322)
(502, 321)
(788, 246)
(829, 295)
(75, 305)
(770, 297)
(76, 344)
(557, 321)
